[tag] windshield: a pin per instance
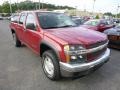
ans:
(49, 20)
(92, 23)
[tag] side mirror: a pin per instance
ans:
(30, 26)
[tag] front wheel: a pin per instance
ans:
(50, 65)
(16, 40)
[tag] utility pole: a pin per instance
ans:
(39, 4)
(76, 10)
(10, 8)
(42, 3)
(36, 4)
(93, 6)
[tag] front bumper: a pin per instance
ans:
(68, 70)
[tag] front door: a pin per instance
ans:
(32, 34)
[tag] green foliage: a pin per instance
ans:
(6, 7)
(108, 14)
(0, 9)
(118, 15)
(97, 17)
(14, 7)
(28, 5)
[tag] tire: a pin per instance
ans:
(16, 40)
(50, 65)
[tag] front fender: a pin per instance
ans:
(56, 47)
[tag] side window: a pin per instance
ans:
(30, 22)
(22, 19)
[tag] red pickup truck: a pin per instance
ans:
(66, 50)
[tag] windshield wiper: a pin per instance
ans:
(51, 27)
(59, 26)
(67, 26)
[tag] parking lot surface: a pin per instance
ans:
(20, 69)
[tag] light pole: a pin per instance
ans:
(10, 8)
(42, 3)
(93, 6)
(39, 4)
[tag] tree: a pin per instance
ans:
(118, 15)
(28, 5)
(0, 9)
(108, 14)
(6, 7)
(97, 17)
(14, 7)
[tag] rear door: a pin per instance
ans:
(21, 26)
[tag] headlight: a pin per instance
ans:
(74, 53)
(73, 47)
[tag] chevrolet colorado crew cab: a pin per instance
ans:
(66, 50)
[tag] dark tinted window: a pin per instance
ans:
(30, 20)
(22, 19)
(54, 20)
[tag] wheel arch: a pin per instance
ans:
(12, 31)
(48, 46)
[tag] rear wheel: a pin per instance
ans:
(50, 65)
(16, 40)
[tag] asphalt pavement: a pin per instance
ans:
(20, 69)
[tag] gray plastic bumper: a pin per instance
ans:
(68, 69)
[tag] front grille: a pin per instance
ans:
(94, 55)
(96, 44)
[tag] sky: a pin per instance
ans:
(100, 5)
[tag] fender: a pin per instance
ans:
(52, 45)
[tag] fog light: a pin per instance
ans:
(73, 57)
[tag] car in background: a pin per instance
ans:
(116, 21)
(114, 36)
(1, 18)
(78, 21)
(98, 24)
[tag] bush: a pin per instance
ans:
(97, 17)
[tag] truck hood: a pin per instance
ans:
(77, 35)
